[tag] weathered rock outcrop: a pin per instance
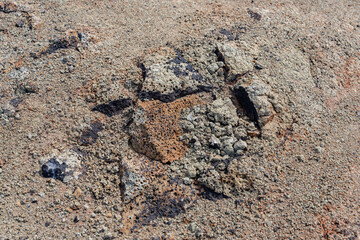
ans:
(155, 131)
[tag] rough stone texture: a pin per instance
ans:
(230, 183)
(239, 58)
(297, 177)
(214, 134)
(137, 173)
(155, 131)
(141, 178)
(254, 99)
(168, 75)
(65, 166)
(7, 112)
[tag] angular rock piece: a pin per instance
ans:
(215, 143)
(53, 169)
(254, 100)
(90, 135)
(238, 59)
(35, 21)
(254, 15)
(168, 76)
(155, 131)
(137, 173)
(64, 167)
(223, 111)
(229, 184)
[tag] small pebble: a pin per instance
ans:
(240, 145)
(19, 23)
(319, 150)
(192, 227)
(187, 180)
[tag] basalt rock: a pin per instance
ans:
(254, 100)
(65, 166)
(167, 76)
(239, 59)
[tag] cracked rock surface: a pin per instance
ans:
(238, 57)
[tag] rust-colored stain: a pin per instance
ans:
(158, 137)
(349, 72)
(19, 63)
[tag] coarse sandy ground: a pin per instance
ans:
(60, 59)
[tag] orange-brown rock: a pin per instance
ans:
(155, 131)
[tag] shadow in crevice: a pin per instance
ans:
(114, 107)
(247, 105)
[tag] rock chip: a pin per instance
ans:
(168, 76)
(238, 58)
(254, 100)
(240, 145)
(65, 166)
(35, 21)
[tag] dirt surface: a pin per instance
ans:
(180, 119)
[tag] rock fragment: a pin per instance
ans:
(254, 99)
(8, 110)
(211, 152)
(230, 183)
(155, 131)
(53, 169)
(168, 76)
(254, 15)
(137, 173)
(65, 166)
(19, 23)
(90, 135)
(35, 21)
(239, 59)
(149, 193)
(240, 145)
(212, 68)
